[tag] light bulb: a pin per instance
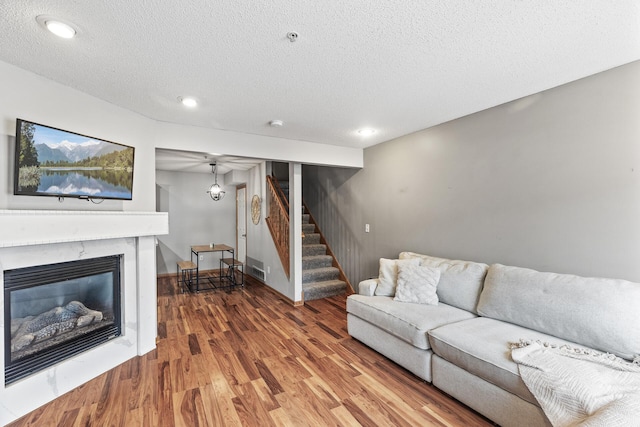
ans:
(366, 132)
(60, 29)
(189, 102)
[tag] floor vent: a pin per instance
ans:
(258, 273)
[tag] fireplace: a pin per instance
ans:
(57, 311)
(37, 237)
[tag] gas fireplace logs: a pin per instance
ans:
(31, 329)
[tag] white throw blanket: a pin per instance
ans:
(578, 387)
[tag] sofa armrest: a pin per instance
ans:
(368, 287)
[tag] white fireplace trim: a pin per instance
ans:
(45, 237)
(23, 228)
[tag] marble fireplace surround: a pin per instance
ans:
(29, 238)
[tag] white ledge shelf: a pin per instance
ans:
(39, 227)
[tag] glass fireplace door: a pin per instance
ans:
(58, 310)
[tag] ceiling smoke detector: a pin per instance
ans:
(292, 36)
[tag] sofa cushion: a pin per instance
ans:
(417, 284)
(481, 347)
(388, 275)
(460, 281)
(602, 314)
(407, 321)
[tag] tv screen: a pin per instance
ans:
(55, 162)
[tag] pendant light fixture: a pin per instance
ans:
(215, 191)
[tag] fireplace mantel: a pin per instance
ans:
(38, 227)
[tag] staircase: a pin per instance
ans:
(320, 274)
(320, 279)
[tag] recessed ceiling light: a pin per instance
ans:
(61, 29)
(57, 27)
(188, 101)
(276, 123)
(366, 132)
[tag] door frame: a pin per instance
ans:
(239, 187)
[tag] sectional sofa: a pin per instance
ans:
(461, 341)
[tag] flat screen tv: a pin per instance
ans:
(55, 162)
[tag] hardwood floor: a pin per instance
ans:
(248, 358)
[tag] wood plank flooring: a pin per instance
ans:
(248, 358)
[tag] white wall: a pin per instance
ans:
(260, 244)
(31, 97)
(194, 219)
(550, 182)
(206, 140)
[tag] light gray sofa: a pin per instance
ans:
(461, 344)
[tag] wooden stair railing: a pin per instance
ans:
(278, 220)
(283, 197)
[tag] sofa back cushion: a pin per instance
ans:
(603, 314)
(460, 281)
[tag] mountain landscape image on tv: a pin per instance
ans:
(55, 162)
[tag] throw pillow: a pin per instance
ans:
(388, 275)
(417, 284)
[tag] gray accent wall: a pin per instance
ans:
(550, 182)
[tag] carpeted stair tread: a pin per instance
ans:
(311, 239)
(316, 249)
(308, 228)
(320, 274)
(305, 218)
(316, 261)
(324, 289)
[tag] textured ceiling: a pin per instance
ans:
(187, 161)
(397, 66)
